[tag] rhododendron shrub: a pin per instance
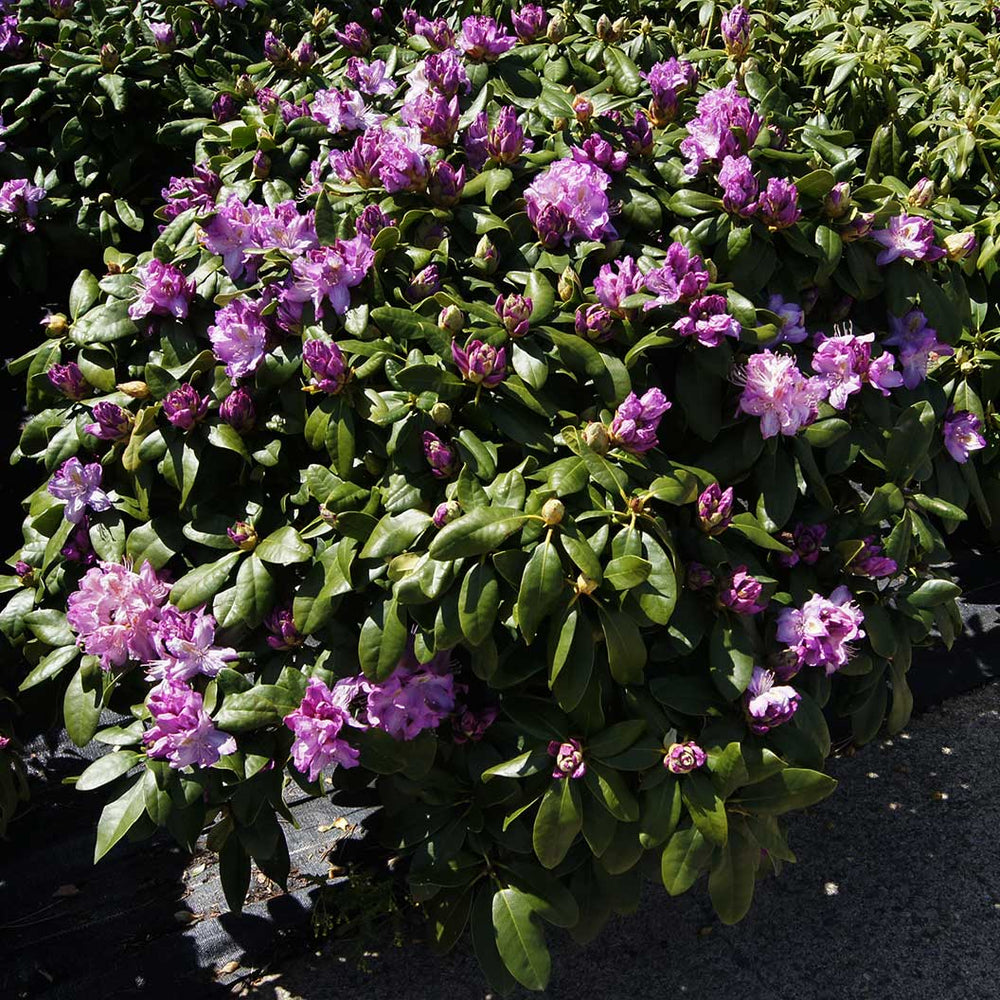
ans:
(557, 434)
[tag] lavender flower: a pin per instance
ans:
(480, 364)
(636, 421)
(962, 434)
(327, 274)
(69, 380)
(163, 36)
(871, 561)
(805, 541)
(369, 78)
(239, 337)
(281, 624)
(708, 322)
(483, 40)
(857, 227)
(183, 732)
(437, 32)
(569, 759)
(185, 647)
(224, 108)
(275, 50)
(441, 71)
(845, 364)
(80, 486)
(907, 237)
(413, 698)
(319, 721)
(681, 278)
(739, 186)
(778, 205)
(568, 201)
(597, 150)
(20, 198)
(514, 312)
(326, 361)
(777, 392)
(230, 232)
(355, 39)
(793, 320)
(638, 137)
(184, 407)
(440, 457)
(615, 282)
(818, 633)
(505, 141)
(712, 134)
(768, 705)
(446, 183)
(529, 22)
(238, 411)
(111, 422)
(918, 346)
(197, 191)
(593, 322)
(741, 591)
(669, 81)
(163, 291)
(474, 141)
(735, 29)
(683, 758)
(435, 115)
(11, 40)
(715, 509)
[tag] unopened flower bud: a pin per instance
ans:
(585, 585)
(245, 87)
(445, 512)
(922, 193)
(838, 200)
(715, 509)
(605, 29)
(569, 284)
(452, 319)
(583, 108)
(486, 251)
(597, 438)
(556, 30)
(109, 57)
(56, 324)
(558, 124)
(682, 758)
(329, 516)
(958, 246)
(304, 54)
(261, 165)
(136, 389)
(25, 573)
(441, 414)
(553, 511)
(243, 535)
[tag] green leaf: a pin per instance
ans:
(684, 858)
(253, 596)
(478, 603)
(284, 547)
(49, 666)
(610, 789)
(395, 533)
(477, 533)
(484, 939)
(731, 659)
(200, 585)
(520, 940)
(627, 572)
(749, 527)
(548, 897)
(626, 648)
(661, 812)
(708, 810)
(623, 72)
(540, 588)
(792, 788)
(234, 873)
(616, 738)
(909, 442)
(118, 818)
(931, 593)
(731, 881)
(557, 822)
(105, 769)
(84, 293)
(82, 703)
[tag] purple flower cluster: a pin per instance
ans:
(414, 697)
(769, 705)
(669, 81)
(163, 291)
(185, 646)
(111, 422)
(185, 406)
(636, 421)
(569, 201)
(820, 631)
(708, 321)
(239, 337)
(483, 40)
(681, 278)
(723, 123)
(529, 22)
(776, 391)
(327, 274)
(327, 363)
(793, 321)
(616, 282)
(514, 312)
(69, 380)
(115, 612)
(319, 721)
(280, 622)
(597, 150)
(198, 192)
(844, 363)
(962, 434)
(20, 198)
(183, 732)
(735, 28)
(79, 486)
(917, 345)
(370, 78)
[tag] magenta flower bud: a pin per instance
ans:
(435, 115)
(267, 99)
(859, 226)
(371, 222)
(740, 592)
(440, 457)
(446, 73)
(426, 282)
(224, 108)
(779, 204)
(768, 705)
(872, 562)
(238, 410)
(636, 421)
(597, 150)
(243, 535)
(111, 422)
(551, 224)
(69, 380)
(275, 50)
(446, 183)
(25, 572)
(838, 200)
(481, 364)
(583, 108)
(483, 40)
(355, 39)
(505, 140)
(377, 15)
(739, 186)
(962, 434)
(638, 137)
(514, 312)
(304, 54)
(529, 22)
(698, 576)
(327, 363)
(410, 17)
(683, 758)
(715, 509)
(261, 165)
(163, 36)
(446, 512)
(109, 57)
(922, 193)
(735, 29)
(470, 727)
(78, 548)
(184, 407)
(281, 624)
(451, 319)
(708, 321)
(958, 246)
(569, 759)
(806, 543)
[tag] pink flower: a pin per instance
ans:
(845, 364)
(683, 758)
(483, 40)
(163, 291)
(239, 337)
(568, 201)
(767, 705)
(318, 722)
(777, 392)
(636, 421)
(681, 278)
(185, 644)
(182, 731)
(328, 273)
(708, 321)
(569, 759)
(907, 237)
(413, 698)
(962, 435)
(230, 232)
(819, 632)
(616, 282)
(80, 486)
(724, 126)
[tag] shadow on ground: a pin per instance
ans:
(896, 894)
